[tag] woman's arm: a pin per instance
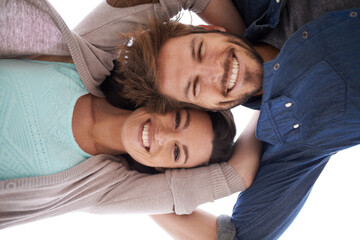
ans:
(221, 13)
(247, 152)
(178, 190)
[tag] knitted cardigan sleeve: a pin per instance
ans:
(177, 190)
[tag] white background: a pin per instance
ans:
(331, 212)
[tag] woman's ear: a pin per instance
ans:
(213, 27)
(160, 169)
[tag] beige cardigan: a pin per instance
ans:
(101, 184)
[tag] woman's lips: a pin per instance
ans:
(145, 135)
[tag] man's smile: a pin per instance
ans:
(234, 70)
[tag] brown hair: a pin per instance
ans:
(224, 130)
(133, 81)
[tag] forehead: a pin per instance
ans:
(173, 58)
(176, 65)
(184, 44)
(200, 138)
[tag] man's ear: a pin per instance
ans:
(213, 27)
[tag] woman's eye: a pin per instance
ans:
(195, 85)
(176, 152)
(177, 119)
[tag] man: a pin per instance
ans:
(308, 110)
(168, 79)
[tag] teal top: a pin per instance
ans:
(37, 101)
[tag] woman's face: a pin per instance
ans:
(181, 139)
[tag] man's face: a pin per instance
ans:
(212, 70)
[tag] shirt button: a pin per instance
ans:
(295, 126)
(276, 66)
(278, 1)
(353, 14)
(289, 104)
(305, 34)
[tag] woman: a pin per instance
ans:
(101, 183)
(51, 126)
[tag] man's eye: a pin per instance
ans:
(199, 51)
(195, 85)
(176, 152)
(177, 119)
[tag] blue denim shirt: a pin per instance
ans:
(260, 16)
(310, 109)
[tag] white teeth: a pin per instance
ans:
(234, 73)
(145, 135)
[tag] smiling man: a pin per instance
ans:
(221, 70)
(308, 96)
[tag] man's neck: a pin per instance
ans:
(266, 51)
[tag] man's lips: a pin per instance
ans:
(233, 74)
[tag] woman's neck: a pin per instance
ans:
(97, 125)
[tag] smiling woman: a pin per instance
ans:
(178, 139)
(59, 131)
(58, 139)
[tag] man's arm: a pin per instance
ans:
(246, 157)
(197, 225)
(203, 225)
(223, 13)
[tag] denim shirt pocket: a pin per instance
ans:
(277, 123)
(315, 98)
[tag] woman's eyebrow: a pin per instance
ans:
(186, 151)
(187, 122)
(186, 125)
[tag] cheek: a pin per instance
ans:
(211, 97)
(141, 157)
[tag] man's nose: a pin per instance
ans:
(211, 72)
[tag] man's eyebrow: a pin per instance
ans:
(186, 151)
(187, 122)
(192, 50)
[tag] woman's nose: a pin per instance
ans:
(164, 135)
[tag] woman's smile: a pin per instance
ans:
(176, 139)
(146, 133)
